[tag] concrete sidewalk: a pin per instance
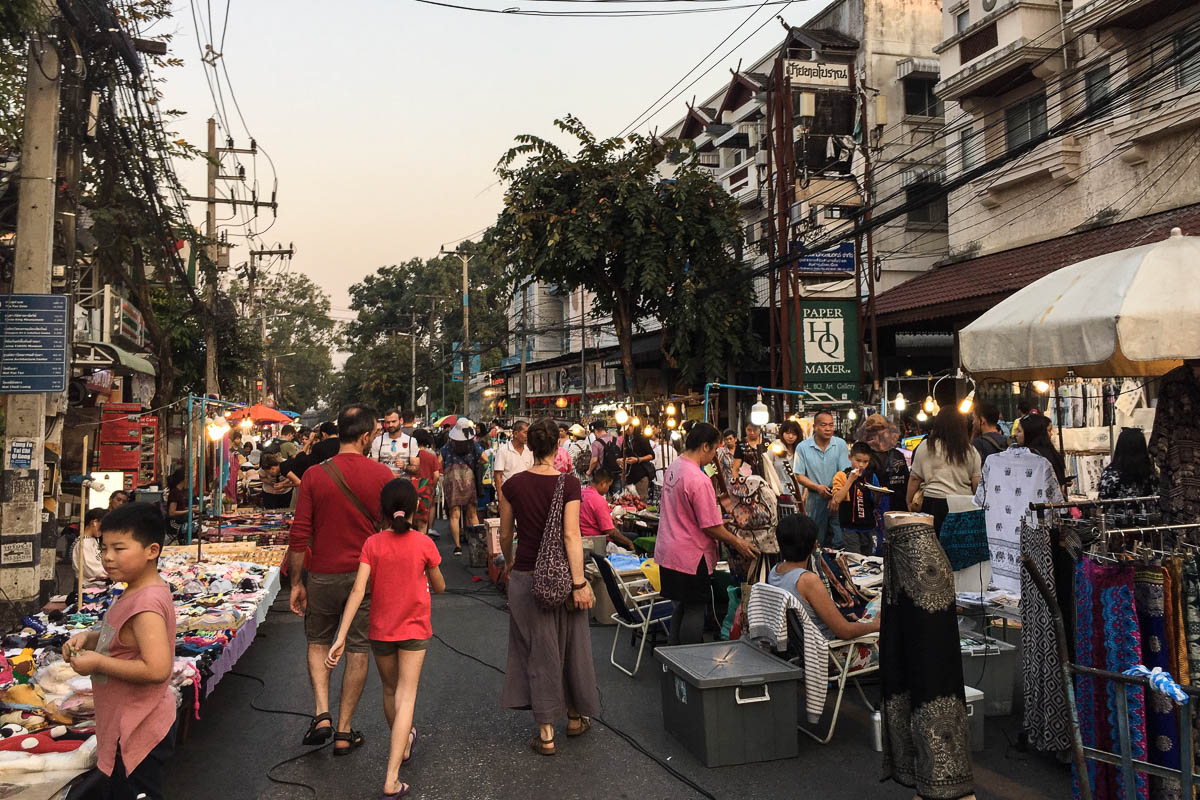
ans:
(470, 748)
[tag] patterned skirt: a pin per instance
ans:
(925, 735)
(1047, 720)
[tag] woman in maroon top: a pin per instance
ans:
(550, 669)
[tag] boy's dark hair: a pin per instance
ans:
(94, 515)
(287, 430)
(328, 428)
(424, 438)
(988, 413)
(600, 475)
(270, 460)
(729, 432)
(143, 521)
(861, 449)
(408, 415)
(797, 536)
(354, 421)
(398, 495)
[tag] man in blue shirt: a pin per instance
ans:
(818, 459)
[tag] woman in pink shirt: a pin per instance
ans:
(689, 528)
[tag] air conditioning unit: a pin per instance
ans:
(760, 158)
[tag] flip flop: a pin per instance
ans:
(316, 735)
(354, 738)
(393, 795)
(412, 744)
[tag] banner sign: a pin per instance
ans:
(33, 343)
(816, 73)
(830, 340)
(838, 259)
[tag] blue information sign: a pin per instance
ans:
(33, 343)
(837, 259)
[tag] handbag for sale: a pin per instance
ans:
(552, 571)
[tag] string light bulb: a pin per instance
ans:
(622, 416)
(648, 431)
(968, 403)
(922, 416)
(635, 422)
(217, 428)
(899, 403)
(930, 405)
(671, 423)
(759, 413)
(246, 423)
(852, 415)
(777, 448)
(1041, 386)
(670, 409)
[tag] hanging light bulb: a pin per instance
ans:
(930, 405)
(777, 448)
(622, 416)
(1041, 386)
(671, 423)
(648, 431)
(635, 422)
(899, 403)
(675, 436)
(670, 409)
(922, 416)
(759, 413)
(968, 403)
(217, 428)
(246, 423)
(852, 415)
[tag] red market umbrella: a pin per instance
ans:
(449, 419)
(261, 414)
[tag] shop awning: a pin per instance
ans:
(920, 67)
(961, 292)
(106, 354)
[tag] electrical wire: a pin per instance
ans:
(254, 705)
(517, 12)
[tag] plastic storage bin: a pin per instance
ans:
(975, 714)
(730, 703)
(989, 664)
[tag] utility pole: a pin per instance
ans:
(868, 204)
(465, 258)
(432, 298)
(25, 414)
(524, 342)
(582, 352)
(252, 287)
(211, 384)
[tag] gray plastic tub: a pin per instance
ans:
(729, 702)
(988, 664)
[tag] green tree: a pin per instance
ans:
(607, 220)
(297, 322)
(425, 296)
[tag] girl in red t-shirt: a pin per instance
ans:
(402, 566)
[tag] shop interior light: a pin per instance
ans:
(671, 423)
(670, 409)
(922, 416)
(968, 403)
(488, 392)
(908, 373)
(899, 403)
(1041, 386)
(1016, 387)
(622, 416)
(759, 413)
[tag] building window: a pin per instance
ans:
(840, 212)
(978, 43)
(930, 212)
(1025, 120)
(962, 20)
(968, 143)
(1187, 48)
(1096, 85)
(919, 99)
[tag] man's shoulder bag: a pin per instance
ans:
(339, 480)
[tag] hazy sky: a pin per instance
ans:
(385, 119)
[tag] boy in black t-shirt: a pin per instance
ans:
(855, 504)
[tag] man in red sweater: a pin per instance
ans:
(334, 527)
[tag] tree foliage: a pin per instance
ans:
(423, 296)
(605, 219)
(297, 322)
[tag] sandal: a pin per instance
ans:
(353, 737)
(404, 787)
(584, 724)
(412, 743)
(317, 735)
(541, 746)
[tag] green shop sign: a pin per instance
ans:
(830, 341)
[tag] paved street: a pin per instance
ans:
(469, 747)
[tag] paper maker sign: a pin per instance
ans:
(830, 340)
(824, 340)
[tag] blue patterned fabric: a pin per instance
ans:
(1162, 723)
(964, 538)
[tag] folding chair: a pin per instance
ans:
(845, 661)
(638, 609)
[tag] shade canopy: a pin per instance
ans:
(1130, 313)
(449, 419)
(260, 414)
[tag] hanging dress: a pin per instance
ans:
(1011, 481)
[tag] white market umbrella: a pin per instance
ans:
(1131, 313)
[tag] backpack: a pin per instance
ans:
(583, 459)
(272, 447)
(609, 456)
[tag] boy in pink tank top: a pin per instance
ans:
(130, 656)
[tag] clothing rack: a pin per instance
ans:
(1123, 759)
(1040, 507)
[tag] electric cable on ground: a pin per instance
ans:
(254, 705)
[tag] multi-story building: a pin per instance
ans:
(1113, 86)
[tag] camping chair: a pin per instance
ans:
(638, 609)
(845, 664)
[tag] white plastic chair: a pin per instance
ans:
(638, 609)
(841, 658)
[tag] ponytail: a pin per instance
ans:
(398, 502)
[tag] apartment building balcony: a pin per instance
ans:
(741, 181)
(1115, 22)
(1006, 48)
(1059, 159)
